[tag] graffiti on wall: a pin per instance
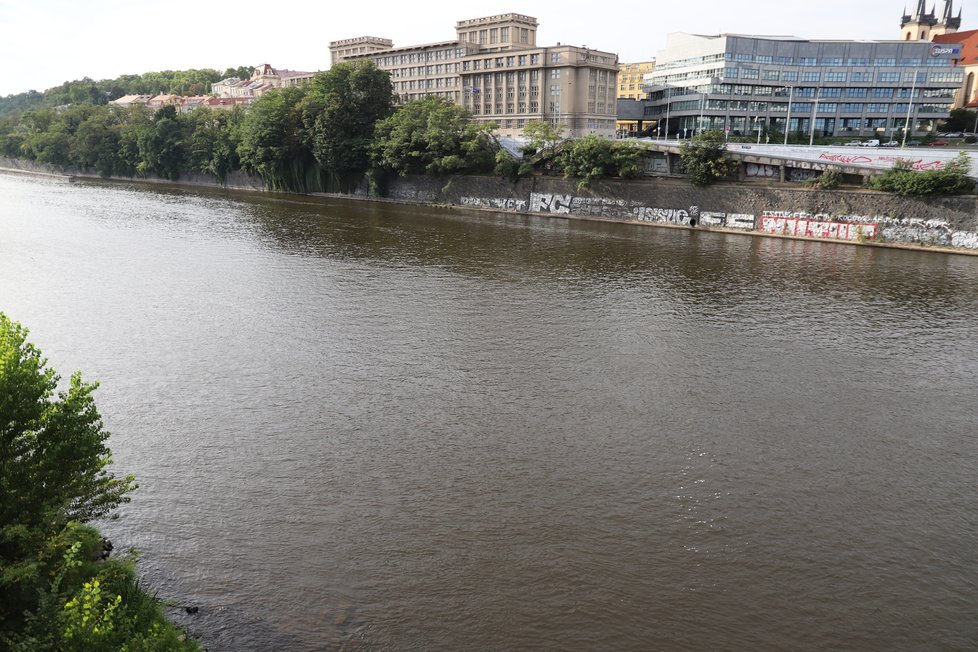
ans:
(814, 226)
(506, 204)
(799, 175)
(546, 203)
(557, 204)
(964, 239)
(760, 170)
(728, 220)
(668, 215)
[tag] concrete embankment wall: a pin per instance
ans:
(855, 216)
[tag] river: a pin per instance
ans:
(372, 426)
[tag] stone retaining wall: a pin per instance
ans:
(857, 216)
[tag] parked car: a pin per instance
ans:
(953, 134)
(913, 143)
(870, 143)
(853, 143)
(939, 143)
(890, 143)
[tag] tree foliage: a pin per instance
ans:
(543, 137)
(53, 458)
(704, 158)
(275, 142)
(590, 158)
(344, 106)
(961, 120)
(903, 180)
(434, 136)
(59, 592)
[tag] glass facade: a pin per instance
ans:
(748, 84)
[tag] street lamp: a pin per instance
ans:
(913, 89)
(787, 119)
(811, 132)
(699, 125)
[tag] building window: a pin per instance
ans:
(504, 34)
(534, 59)
(810, 76)
(555, 57)
(835, 76)
(555, 73)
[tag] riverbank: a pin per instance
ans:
(862, 217)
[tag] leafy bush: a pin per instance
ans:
(829, 179)
(704, 158)
(903, 180)
(591, 158)
(58, 592)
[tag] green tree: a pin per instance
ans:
(161, 147)
(434, 136)
(543, 137)
(343, 108)
(96, 142)
(53, 464)
(961, 120)
(275, 144)
(704, 158)
(587, 159)
(212, 138)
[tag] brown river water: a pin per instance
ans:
(363, 426)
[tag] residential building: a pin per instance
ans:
(631, 77)
(496, 70)
(631, 87)
(132, 100)
(263, 78)
(755, 84)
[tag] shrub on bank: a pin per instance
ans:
(60, 592)
(903, 180)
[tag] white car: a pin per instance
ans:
(853, 143)
(890, 143)
(870, 143)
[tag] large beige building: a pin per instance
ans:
(496, 70)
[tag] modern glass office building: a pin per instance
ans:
(763, 84)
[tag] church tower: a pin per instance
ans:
(923, 25)
(949, 22)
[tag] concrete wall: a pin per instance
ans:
(857, 216)
(846, 215)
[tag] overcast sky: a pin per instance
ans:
(46, 42)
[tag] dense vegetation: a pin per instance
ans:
(60, 590)
(903, 180)
(330, 134)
